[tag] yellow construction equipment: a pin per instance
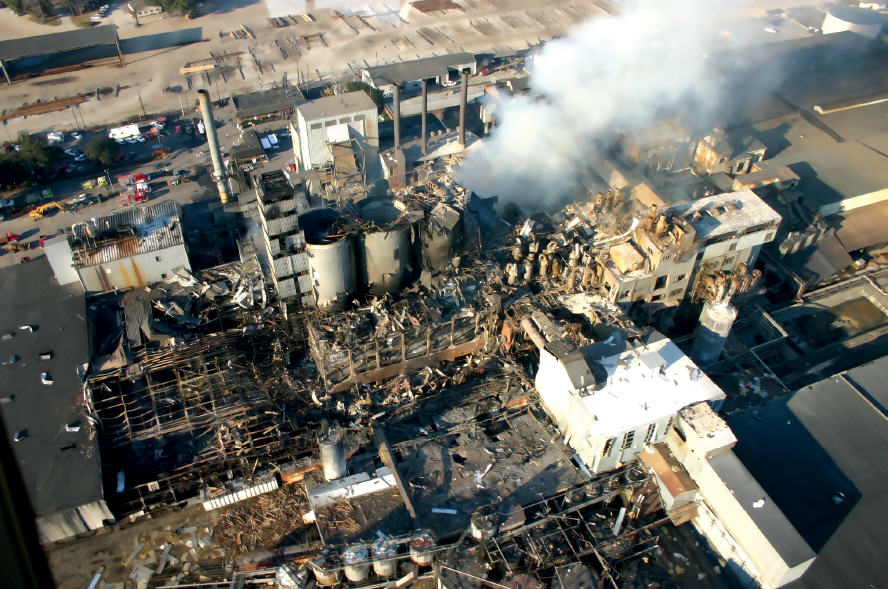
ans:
(41, 210)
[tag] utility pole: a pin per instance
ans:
(144, 114)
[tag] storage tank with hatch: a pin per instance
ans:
(356, 561)
(439, 234)
(331, 259)
(422, 548)
(385, 552)
(385, 254)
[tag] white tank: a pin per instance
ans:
(422, 548)
(331, 259)
(356, 561)
(384, 553)
(711, 333)
(852, 18)
(325, 570)
(386, 254)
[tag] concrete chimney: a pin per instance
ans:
(206, 110)
(425, 114)
(396, 107)
(463, 100)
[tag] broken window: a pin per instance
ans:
(628, 438)
(608, 445)
(658, 297)
(681, 277)
(661, 282)
(649, 436)
(675, 293)
(732, 247)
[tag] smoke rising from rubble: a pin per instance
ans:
(607, 76)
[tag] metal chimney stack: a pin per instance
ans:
(396, 106)
(463, 100)
(425, 113)
(206, 110)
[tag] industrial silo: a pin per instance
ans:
(438, 236)
(852, 18)
(711, 333)
(331, 259)
(385, 252)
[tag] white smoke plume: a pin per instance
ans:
(609, 75)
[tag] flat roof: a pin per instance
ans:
(261, 103)
(249, 147)
(761, 508)
(644, 382)
(137, 230)
(338, 104)
(727, 213)
(60, 469)
(828, 438)
(56, 42)
(863, 227)
(418, 69)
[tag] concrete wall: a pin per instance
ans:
(68, 523)
(313, 135)
(58, 253)
(135, 271)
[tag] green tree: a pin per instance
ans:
(178, 6)
(374, 93)
(17, 6)
(13, 171)
(102, 149)
(37, 154)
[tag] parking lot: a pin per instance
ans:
(188, 154)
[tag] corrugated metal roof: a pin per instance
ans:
(127, 233)
(55, 42)
(419, 69)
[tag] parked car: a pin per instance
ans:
(75, 135)
(80, 158)
(72, 152)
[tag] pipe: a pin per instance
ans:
(463, 100)
(210, 128)
(533, 333)
(396, 107)
(425, 113)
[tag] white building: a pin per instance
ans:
(129, 249)
(613, 397)
(334, 120)
(738, 518)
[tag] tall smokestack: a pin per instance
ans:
(396, 103)
(463, 100)
(210, 126)
(425, 113)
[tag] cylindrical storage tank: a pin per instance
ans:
(290, 577)
(711, 333)
(332, 448)
(326, 569)
(331, 259)
(482, 525)
(438, 235)
(356, 562)
(422, 548)
(384, 553)
(385, 254)
(852, 18)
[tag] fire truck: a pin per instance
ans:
(134, 188)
